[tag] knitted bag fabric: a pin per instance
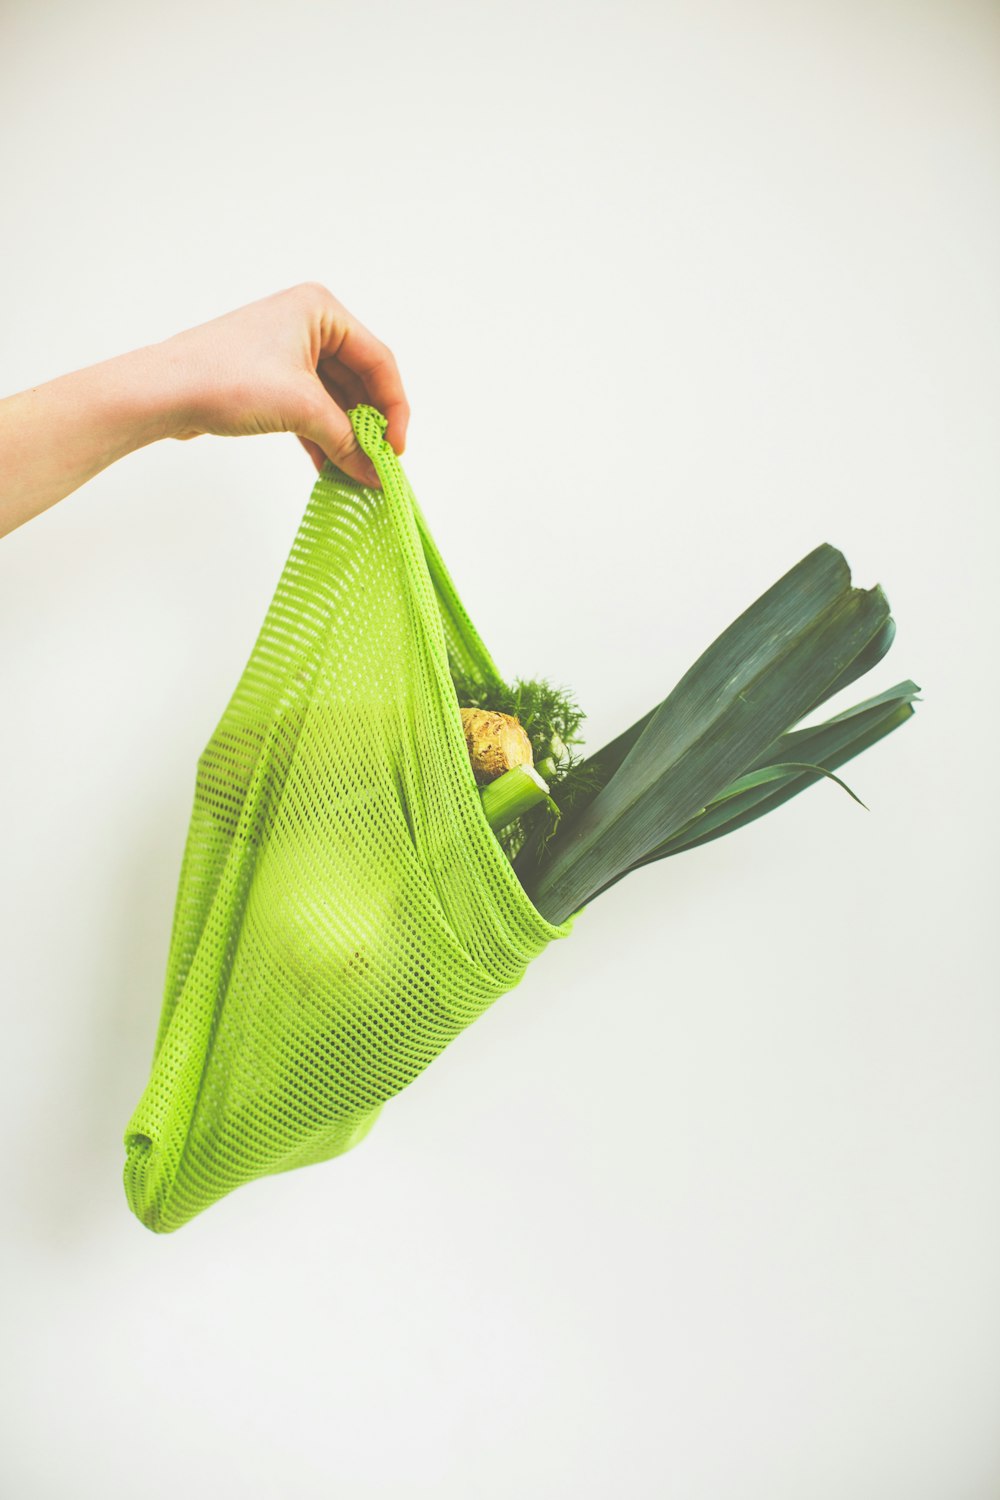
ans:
(344, 909)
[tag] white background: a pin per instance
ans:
(710, 1205)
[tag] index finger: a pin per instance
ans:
(370, 359)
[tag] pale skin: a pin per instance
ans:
(294, 362)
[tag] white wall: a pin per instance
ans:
(710, 1205)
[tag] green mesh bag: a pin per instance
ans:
(344, 909)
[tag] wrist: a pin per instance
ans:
(148, 392)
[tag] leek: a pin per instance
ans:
(721, 749)
(512, 795)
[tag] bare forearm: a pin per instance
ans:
(56, 436)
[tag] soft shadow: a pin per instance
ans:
(75, 1189)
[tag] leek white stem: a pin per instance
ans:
(513, 793)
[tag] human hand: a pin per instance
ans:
(292, 362)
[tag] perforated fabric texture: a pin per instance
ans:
(344, 909)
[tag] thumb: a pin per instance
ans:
(328, 426)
